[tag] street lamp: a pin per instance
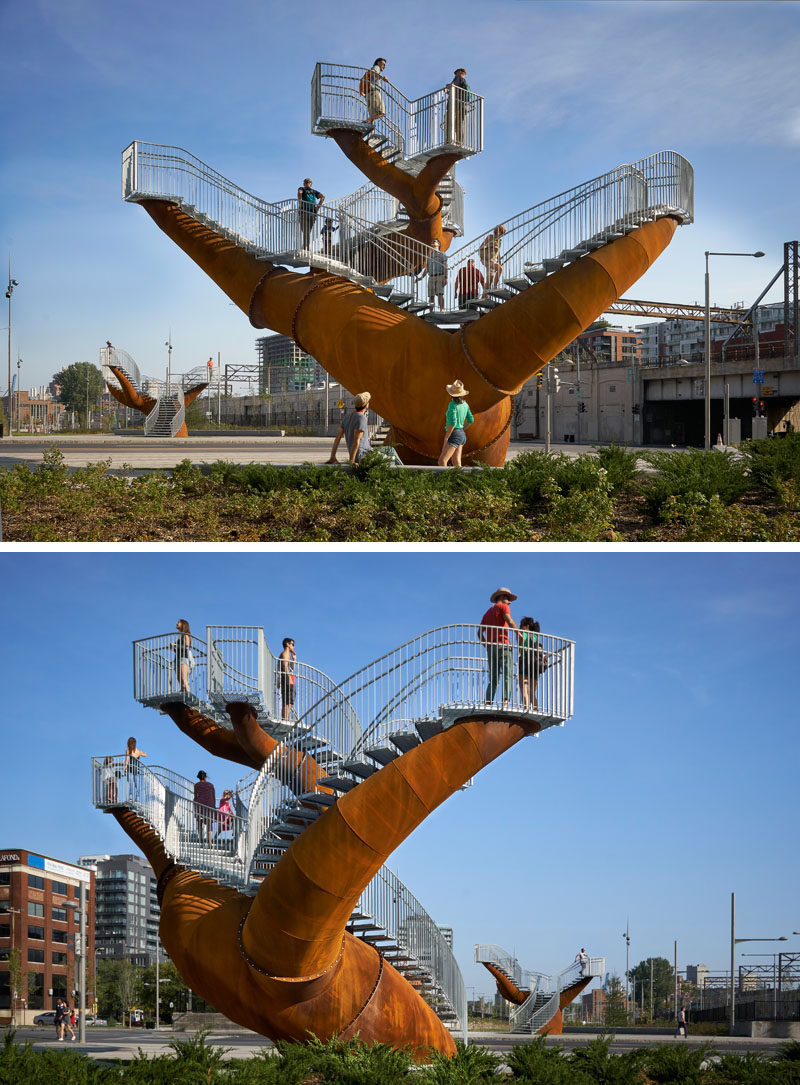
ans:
(708, 341)
(627, 936)
(11, 284)
(734, 943)
(82, 955)
(168, 345)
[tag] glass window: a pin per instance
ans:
(35, 990)
(5, 990)
(60, 915)
(5, 877)
(4, 954)
(59, 958)
(35, 882)
(35, 932)
(5, 930)
(58, 936)
(36, 955)
(5, 906)
(59, 887)
(36, 909)
(59, 985)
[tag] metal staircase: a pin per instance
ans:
(535, 243)
(333, 736)
(543, 992)
(168, 413)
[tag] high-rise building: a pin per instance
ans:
(38, 927)
(126, 912)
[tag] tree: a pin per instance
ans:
(72, 382)
(17, 981)
(663, 984)
(615, 1010)
(118, 984)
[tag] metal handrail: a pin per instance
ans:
(403, 918)
(510, 966)
(530, 1017)
(122, 360)
(447, 670)
(223, 846)
(415, 129)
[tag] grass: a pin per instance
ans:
(687, 497)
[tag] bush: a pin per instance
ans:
(344, 1062)
(621, 466)
(471, 1065)
(677, 1063)
(681, 474)
(536, 1063)
(595, 1062)
(774, 461)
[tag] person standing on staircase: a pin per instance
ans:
(436, 270)
(286, 664)
(460, 96)
(494, 633)
(370, 87)
(309, 201)
(205, 803)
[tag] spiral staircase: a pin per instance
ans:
(167, 416)
(537, 998)
(333, 737)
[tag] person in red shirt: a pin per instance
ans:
(494, 633)
(469, 283)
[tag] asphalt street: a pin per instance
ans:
(119, 1043)
(151, 453)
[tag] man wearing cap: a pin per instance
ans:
(354, 430)
(494, 633)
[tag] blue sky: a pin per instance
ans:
(572, 89)
(672, 786)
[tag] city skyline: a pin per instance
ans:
(658, 799)
(571, 90)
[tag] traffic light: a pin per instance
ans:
(582, 408)
(539, 380)
(556, 380)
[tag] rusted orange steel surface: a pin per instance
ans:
(366, 343)
(555, 1026)
(127, 395)
(282, 963)
(506, 988)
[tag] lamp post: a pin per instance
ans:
(82, 957)
(627, 936)
(168, 345)
(708, 342)
(11, 284)
(734, 943)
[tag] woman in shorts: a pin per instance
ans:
(459, 416)
(489, 253)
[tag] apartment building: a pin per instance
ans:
(126, 912)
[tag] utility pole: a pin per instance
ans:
(626, 934)
(11, 284)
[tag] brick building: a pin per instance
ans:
(36, 920)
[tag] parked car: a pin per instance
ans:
(48, 1018)
(96, 1021)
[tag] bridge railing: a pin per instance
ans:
(451, 668)
(122, 360)
(156, 670)
(402, 916)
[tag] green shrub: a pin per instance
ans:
(471, 1065)
(536, 1063)
(749, 1068)
(580, 514)
(344, 1062)
(775, 460)
(694, 472)
(679, 1063)
(620, 464)
(596, 1063)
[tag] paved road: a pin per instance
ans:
(151, 453)
(113, 1043)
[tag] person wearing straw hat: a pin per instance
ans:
(355, 431)
(494, 633)
(459, 416)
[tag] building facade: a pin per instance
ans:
(39, 922)
(126, 911)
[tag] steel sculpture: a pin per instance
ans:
(282, 963)
(365, 341)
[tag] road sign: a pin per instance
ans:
(758, 376)
(767, 390)
(340, 403)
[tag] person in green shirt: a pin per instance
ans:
(459, 416)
